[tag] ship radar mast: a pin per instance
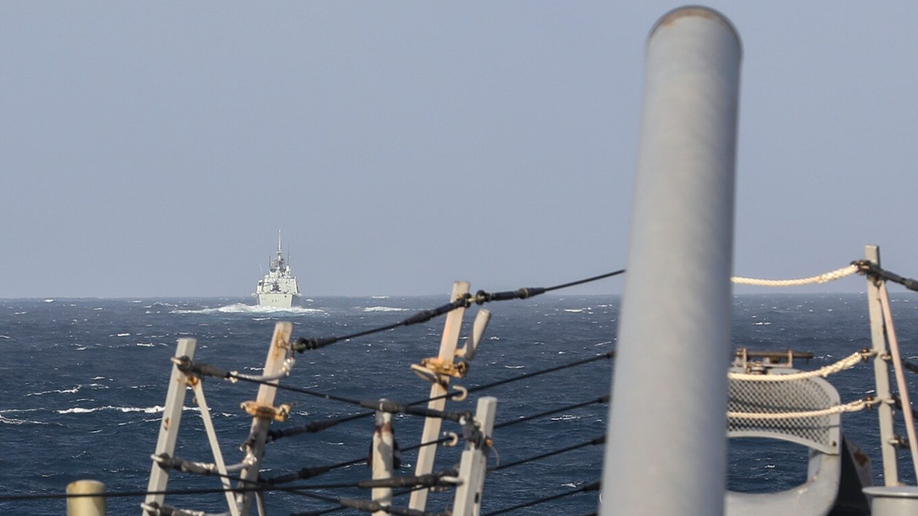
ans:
(278, 287)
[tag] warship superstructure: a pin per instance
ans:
(278, 287)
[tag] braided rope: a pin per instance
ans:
(854, 406)
(845, 363)
(822, 278)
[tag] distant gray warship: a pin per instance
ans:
(278, 287)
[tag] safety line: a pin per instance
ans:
(481, 297)
(318, 426)
(601, 399)
(592, 486)
(591, 442)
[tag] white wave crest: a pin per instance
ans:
(240, 308)
(56, 391)
(14, 421)
(384, 309)
(146, 410)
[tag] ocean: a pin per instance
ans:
(83, 381)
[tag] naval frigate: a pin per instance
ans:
(278, 287)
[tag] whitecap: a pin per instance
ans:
(574, 310)
(514, 366)
(57, 391)
(565, 417)
(380, 297)
(146, 410)
(146, 344)
(48, 301)
(14, 421)
(240, 308)
(384, 309)
(4, 336)
(123, 335)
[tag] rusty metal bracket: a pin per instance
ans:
(263, 411)
(445, 368)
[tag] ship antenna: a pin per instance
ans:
(278, 241)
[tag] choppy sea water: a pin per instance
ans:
(82, 384)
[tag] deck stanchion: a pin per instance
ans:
(168, 428)
(279, 351)
(89, 505)
(474, 462)
(383, 450)
(901, 383)
(885, 411)
(448, 343)
(666, 451)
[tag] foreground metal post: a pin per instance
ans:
(86, 506)
(383, 449)
(172, 417)
(667, 428)
(881, 374)
(255, 444)
(448, 343)
(474, 463)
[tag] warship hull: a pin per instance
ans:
(275, 300)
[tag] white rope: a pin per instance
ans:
(822, 278)
(854, 406)
(845, 363)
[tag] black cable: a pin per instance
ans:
(601, 399)
(430, 480)
(318, 426)
(306, 473)
(871, 269)
(373, 506)
(188, 366)
(592, 486)
(591, 442)
(898, 402)
(481, 297)
(302, 344)
(610, 354)
(587, 280)
(177, 492)
(322, 512)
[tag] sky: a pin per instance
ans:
(154, 149)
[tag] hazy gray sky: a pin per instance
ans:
(154, 149)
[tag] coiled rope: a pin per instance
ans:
(843, 364)
(854, 406)
(812, 280)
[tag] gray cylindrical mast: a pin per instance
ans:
(667, 428)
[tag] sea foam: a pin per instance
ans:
(240, 308)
